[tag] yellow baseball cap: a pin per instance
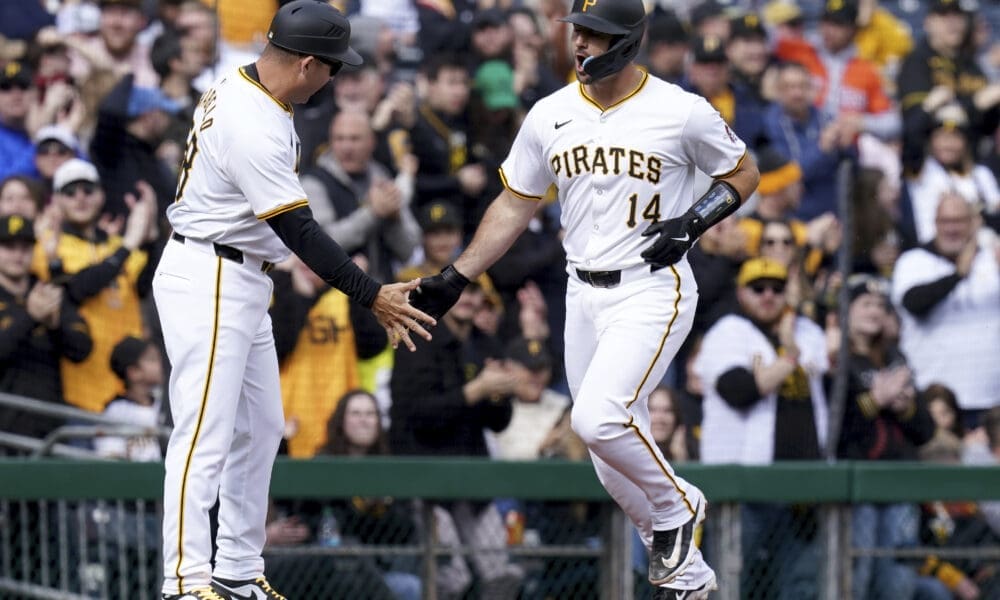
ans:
(761, 268)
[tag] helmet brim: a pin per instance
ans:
(595, 23)
(349, 57)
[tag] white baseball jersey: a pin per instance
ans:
(238, 171)
(956, 342)
(618, 170)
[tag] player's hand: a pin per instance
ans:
(436, 295)
(674, 238)
(397, 316)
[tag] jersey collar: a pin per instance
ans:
(249, 72)
(638, 88)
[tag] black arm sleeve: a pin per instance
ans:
(921, 300)
(738, 388)
(370, 338)
(302, 235)
(90, 281)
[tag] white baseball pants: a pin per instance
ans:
(225, 399)
(619, 343)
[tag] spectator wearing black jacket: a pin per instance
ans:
(38, 325)
(442, 142)
(940, 69)
(443, 396)
(131, 124)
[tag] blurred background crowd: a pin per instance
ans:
(874, 124)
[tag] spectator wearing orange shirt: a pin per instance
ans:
(850, 88)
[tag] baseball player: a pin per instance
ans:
(239, 208)
(621, 147)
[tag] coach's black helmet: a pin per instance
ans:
(624, 20)
(315, 28)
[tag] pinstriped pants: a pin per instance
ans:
(225, 400)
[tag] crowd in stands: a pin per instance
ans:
(867, 132)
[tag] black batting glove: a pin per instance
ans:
(436, 295)
(674, 238)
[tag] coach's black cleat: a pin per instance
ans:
(673, 550)
(701, 593)
(246, 589)
(203, 593)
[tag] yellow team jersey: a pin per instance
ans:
(111, 314)
(322, 368)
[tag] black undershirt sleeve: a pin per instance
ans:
(921, 300)
(738, 388)
(302, 235)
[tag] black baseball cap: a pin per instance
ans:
(747, 26)
(15, 228)
(667, 28)
(709, 49)
(439, 215)
(860, 284)
(16, 73)
(843, 12)
(946, 7)
(490, 17)
(706, 10)
(126, 353)
(531, 353)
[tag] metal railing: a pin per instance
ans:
(80, 545)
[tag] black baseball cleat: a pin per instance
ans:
(673, 550)
(203, 593)
(701, 593)
(245, 589)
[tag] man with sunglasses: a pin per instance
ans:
(762, 371)
(54, 145)
(17, 93)
(239, 208)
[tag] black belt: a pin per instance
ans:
(600, 279)
(227, 252)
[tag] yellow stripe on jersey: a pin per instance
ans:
(274, 212)
(631, 425)
(730, 173)
(663, 340)
(638, 88)
(284, 106)
(521, 195)
(197, 427)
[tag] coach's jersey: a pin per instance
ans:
(240, 168)
(619, 168)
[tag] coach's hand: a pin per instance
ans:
(436, 295)
(397, 316)
(674, 238)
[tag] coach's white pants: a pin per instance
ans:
(226, 405)
(619, 343)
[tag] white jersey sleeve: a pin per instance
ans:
(261, 161)
(525, 172)
(709, 143)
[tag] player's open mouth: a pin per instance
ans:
(579, 61)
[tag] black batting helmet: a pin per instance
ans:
(315, 28)
(623, 20)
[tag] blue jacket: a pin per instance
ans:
(17, 153)
(800, 142)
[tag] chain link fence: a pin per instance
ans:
(534, 531)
